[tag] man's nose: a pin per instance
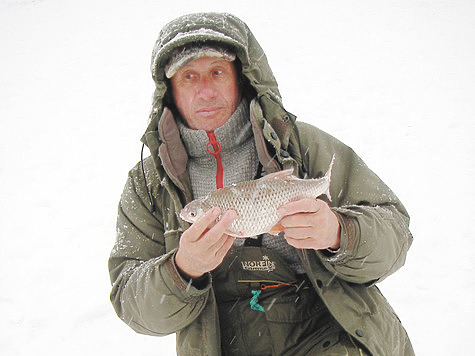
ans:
(206, 89)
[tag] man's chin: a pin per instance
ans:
(210, 122)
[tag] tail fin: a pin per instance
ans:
(328, 178)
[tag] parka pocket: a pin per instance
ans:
(296, 326)
(293, 308)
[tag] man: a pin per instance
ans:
(218, 119)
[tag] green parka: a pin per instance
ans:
(149, 294)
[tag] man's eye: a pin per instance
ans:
(189, 76)
(218, 72)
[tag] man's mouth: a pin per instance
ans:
(208, 110)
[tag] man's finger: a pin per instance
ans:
(299, 233)
(194, 232)
(307, 205)
(223, 245)
(299, 220)
(301, 244)
(221, 226)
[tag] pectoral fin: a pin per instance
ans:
(276, 229)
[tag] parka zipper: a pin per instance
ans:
(215, 152)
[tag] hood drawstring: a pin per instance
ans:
(152, 206)
(219, 164)
(302, 154)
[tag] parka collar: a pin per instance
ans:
(174, 157)
(231, 135)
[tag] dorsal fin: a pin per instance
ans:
(286, 174)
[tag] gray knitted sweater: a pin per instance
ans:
(238, 152)
(239, 161)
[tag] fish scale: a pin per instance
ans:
(256, 202)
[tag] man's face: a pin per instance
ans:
(206, 92)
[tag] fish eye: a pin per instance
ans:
(193, 214)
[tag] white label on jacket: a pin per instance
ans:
(265, 265)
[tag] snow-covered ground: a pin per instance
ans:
(393, 79)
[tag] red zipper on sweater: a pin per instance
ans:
(215, 152)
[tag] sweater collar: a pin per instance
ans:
(235, 131)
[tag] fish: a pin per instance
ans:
(256, 201)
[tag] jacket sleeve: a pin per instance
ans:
(148, 293)
(374, 224)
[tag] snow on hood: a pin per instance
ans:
(220, 28)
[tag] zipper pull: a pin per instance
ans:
(254, 301)
(214, 143)
(219, 164)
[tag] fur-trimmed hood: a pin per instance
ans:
(224, 29)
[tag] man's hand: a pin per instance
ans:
(204, 244)
(310, 224)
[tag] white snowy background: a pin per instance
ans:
(395, 80)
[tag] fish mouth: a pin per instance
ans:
(183, 217)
